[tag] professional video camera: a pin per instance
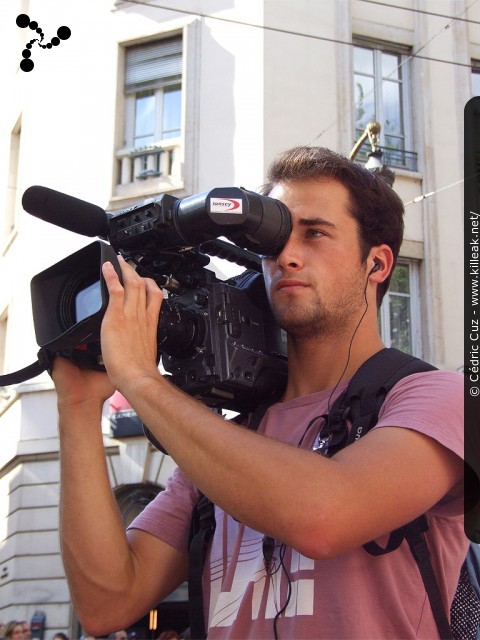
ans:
(217, 339)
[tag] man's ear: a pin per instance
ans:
(380, 263)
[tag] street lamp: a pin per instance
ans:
(374, 162)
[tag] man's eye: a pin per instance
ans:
(314, 233)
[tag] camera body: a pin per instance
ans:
(239, 357)
(217, 340)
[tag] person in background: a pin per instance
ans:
(27, 632)
(14, 630)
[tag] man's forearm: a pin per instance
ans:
(232, 465)
(94, 547)
(294, 495)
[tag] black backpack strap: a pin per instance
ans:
(360, 404)
(418, 545)
(373, 380)
(394, 541)
(414, 534)
(202, 528)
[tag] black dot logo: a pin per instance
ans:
(23, 21)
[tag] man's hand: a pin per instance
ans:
(130, 326)
(75, 386)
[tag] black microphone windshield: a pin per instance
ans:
(65, 211)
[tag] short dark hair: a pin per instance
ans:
(374, 204)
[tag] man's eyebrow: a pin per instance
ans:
(316, 222)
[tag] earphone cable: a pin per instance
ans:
(289, 592)
(350, 347)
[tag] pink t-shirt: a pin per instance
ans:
(353, 595)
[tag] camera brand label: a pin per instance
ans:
(230, 205)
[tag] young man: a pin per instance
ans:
(320, 583)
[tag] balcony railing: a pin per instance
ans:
(158, 163)
(396, 158)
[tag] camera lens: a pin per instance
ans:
(180, 331)
(81, 297)
(88, 301)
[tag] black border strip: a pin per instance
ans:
(472, 317)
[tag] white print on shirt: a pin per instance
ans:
(267, 594)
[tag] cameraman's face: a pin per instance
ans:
(317, 281)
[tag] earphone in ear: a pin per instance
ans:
(376, 266)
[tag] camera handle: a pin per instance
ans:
(44, 363)
(232, 253)
(83, 357)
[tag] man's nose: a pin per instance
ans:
(290, 257)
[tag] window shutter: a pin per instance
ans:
(152, 65)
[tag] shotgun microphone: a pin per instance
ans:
(65, 211)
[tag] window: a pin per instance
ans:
(3, 339)
(11, 203)
(400, 311)
(381, 92)
(153, 110)
(475, 77)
